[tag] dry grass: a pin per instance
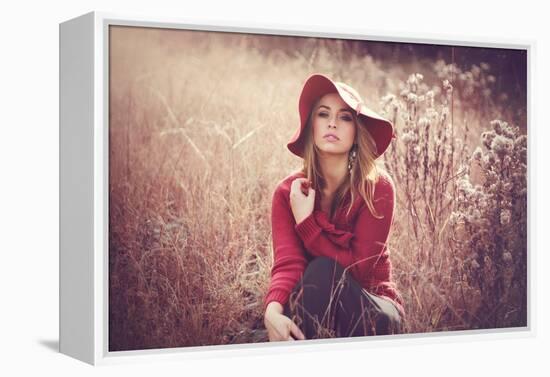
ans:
(198, 124)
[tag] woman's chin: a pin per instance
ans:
(326, 151)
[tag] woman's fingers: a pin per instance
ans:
(281, 334)
(295, 330)
(301, 184)
(300, 181)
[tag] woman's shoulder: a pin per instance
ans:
(384, 192)
(384, 184)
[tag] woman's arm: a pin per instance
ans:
(289, 257)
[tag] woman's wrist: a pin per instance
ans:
(301, 218)
(274, 307)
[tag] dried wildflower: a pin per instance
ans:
(415, 79)
(423, 122)
(510, 131)
(501, 144)
(487, 161)
(455, 218)
(408, 137)
(484, 66)
(507, 256)
(432, 114)
(505, 216)
(497, 126)
(507, 185)
(447, 86)
(411, 97)
(521, 141)
(478, 154)
(387, 99)
(502, 196)
(507, 160)
(465, 187)
(487, 138)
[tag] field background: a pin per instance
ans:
(198, 124)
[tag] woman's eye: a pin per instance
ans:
(345, 118)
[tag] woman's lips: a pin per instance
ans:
(331, 137)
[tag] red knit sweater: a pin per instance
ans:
(359, 242)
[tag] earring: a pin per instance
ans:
(352, 157)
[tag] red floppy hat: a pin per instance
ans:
(316, 86)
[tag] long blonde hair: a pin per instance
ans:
(364, 174)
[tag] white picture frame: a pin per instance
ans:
(84, 191)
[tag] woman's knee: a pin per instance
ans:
(388, 322)
(321, 279)
(322, 268)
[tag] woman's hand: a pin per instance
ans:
(302, 199)
(280, 327)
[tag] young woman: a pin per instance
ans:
(331, 221)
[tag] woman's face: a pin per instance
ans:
(333, 125)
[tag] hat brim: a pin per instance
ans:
(316, 86)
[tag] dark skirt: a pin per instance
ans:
(328, 302)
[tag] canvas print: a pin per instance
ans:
(270, 188)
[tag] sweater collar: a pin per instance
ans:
(339, 216)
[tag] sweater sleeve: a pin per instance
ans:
(365, 253)
(289, 256)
